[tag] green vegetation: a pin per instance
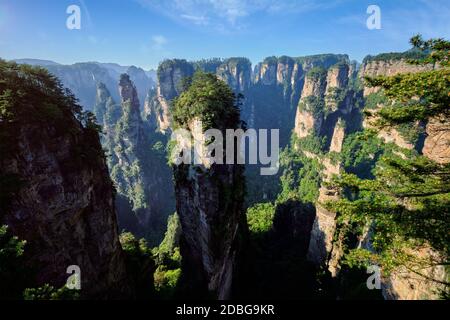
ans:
(12, 270)
(337, 95)
(360, 152)
(137, 161)
(410, 54)
(48, 293)
(375, 100)
(311, 143)
(208, 65)
(140, 264)
(407, 203)
(313, 104)
(166, 281)
(172, 63)
(301, 177)
(236, 61)
(378, 101)
(16, 275)
(324, 60)
(170, 243)
(286, 60)
(32, 94)
(274, 265)
(410, 131)
(260, 217)
(208, 99)
(106, 111)
(168, 260)
(270, 60)
(317, 74)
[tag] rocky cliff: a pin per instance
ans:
(142, 82)
(278, 85)
(329, 102)
(106, 110)
(271, 91)
(209, 196)
(437, 142)
(82, 78)
(62, 202)
(237, 73)
(333, 97)
(323, 249)
(138, 168)
(327, 96)
(415, 284)
(373, 67)
(170, 76)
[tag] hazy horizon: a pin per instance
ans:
(145, 32)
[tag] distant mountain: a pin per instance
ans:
(36, 62)
(117, 69)
(113, 67)
(152, 74)
(82, 78)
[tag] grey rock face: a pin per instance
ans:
(140, 173)
(65, 207)
(210, 207)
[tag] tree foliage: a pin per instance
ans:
(208, 99)
(407, 204)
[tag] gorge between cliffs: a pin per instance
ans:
(86, 180)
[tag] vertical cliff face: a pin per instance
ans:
(82, 78)
(278, 85)
(326, 96)
(209, 196)
(236, 72)
(326, 246)
(272, 91)
(153, 113)
(106, 110)
(170, 77)
(380, 67)
(404, 284)
(437, 142)
(63, 200)
(327, 104)
(266, 72)
(387, 67)
(284, 72)
(323, 249)
(310, 114)
(131, 115)
(139, 171)
(142, 82)
(209, 203)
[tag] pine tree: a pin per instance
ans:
(407, 204)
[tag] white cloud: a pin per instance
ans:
(198, 20)
(158, 42)
(156, 49)
(229, 14)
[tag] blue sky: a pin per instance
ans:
(144, 32)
